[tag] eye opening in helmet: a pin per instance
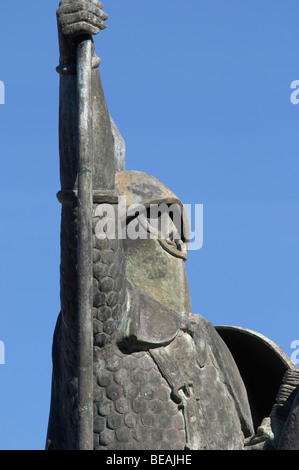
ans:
(164, 222)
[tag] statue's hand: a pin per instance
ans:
(76, 18)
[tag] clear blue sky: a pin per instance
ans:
(200, 90)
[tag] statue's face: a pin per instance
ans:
(156, 265)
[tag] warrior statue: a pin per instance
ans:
(133, 368)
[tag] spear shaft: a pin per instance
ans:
(85, 291)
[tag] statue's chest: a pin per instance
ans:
(162, 399)
(133, 405)
(198, 383)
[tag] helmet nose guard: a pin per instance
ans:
(143, 190)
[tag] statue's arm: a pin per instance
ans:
(290, 436)
(76, 19)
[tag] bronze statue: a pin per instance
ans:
(133, 368)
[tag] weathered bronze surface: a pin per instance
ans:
(162, 377)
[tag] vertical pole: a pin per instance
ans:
(85, 298)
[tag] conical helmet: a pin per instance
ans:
(144, 192)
